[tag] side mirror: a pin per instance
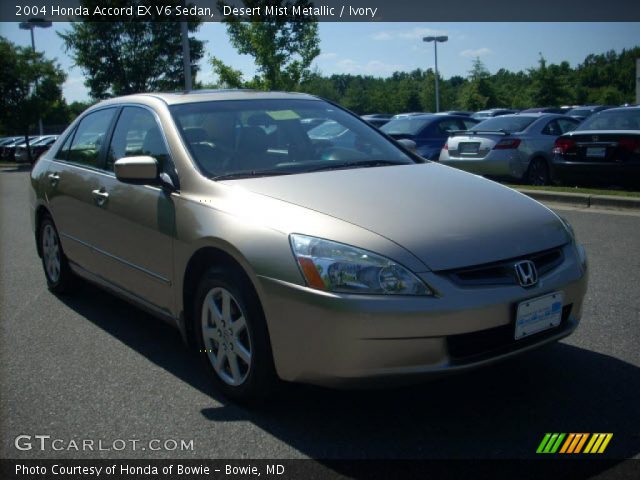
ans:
(138, 170)
(408, 144)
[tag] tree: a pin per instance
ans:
(283, 46)
(124, 57)
(478, 93)
(30, 87)
(548, 88)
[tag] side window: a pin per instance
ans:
(89, 136)
(567, 125)
(137, 133)
(63, 151)
(552, 128)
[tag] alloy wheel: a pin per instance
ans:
(51, 253)
(227, 339)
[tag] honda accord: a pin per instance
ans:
(284, 257)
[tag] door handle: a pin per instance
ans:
(54, 178)
(100, 196)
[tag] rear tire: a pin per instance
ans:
(60, 278)
(538, 172)
(232, 337)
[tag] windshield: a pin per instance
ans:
(267, 137)
(613, 120)
(404, 126)
(504, 123)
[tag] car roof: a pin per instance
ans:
(193, 96)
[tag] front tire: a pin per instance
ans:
(231, 336)
(60, 278)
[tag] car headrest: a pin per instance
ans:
(252, 140)
(195, 134)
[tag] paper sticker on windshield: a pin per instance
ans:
(283, 114)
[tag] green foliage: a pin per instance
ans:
(30, 87)
(604, 79)
(282, 49)
(124, 57)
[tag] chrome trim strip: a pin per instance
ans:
(121, 260)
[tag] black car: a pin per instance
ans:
(429, 132)
(604, 149)
(585, 111)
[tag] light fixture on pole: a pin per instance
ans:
(435, 40)
(30, 25)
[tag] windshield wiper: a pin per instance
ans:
(250, 174)
(342, 165)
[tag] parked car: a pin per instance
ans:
(513, 146)
(558, 110)
(585, 111)
(409, 114)
(8, 151)
(460, 113)
(493, 112)
(377, 119)
(309, 123)
(8, 140)
(428, 132)
(38, 147)
(605, 148)
(278, 256)
(333, 133)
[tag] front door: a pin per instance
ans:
(136, 223)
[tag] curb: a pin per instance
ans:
(584, 200)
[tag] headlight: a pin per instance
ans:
(336, 267)
(568, 228)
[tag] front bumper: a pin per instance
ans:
(497, 163)
(345, 340)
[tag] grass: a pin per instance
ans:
(587, 191)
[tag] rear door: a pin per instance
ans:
(71, 177)
(136, 224)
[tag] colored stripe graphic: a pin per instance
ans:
(591, 442)
(543, 443)
(581, 443)
(573, 443)
(567, 442)
(607, 439)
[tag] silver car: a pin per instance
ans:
(512, 146)
(280, 256)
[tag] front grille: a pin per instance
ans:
(498, 340)
(503, 273)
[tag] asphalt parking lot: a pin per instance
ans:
(92, 366)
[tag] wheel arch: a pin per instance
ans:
(199, 262)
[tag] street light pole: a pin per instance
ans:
(186, 56)
(435, 40)
(30, 25)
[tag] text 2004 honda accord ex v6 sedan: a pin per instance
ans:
(283, 256)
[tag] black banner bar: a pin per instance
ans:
(556, 468)
(328, 10)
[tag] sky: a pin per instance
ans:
(379, 49)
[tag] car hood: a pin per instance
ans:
(445, 217)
